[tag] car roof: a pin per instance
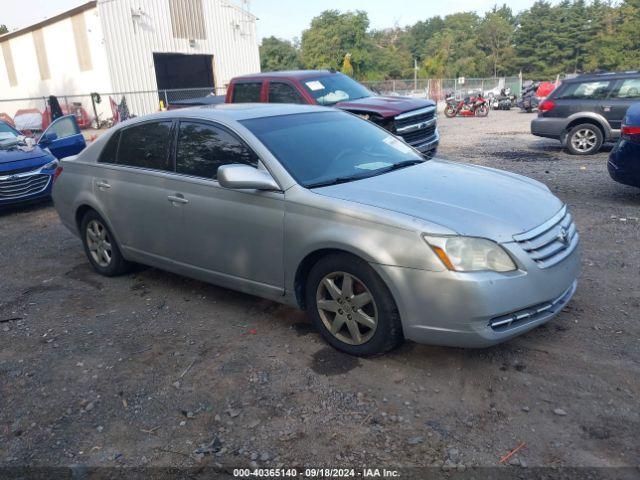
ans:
(234, 111)
(289, 74)
(603, 76)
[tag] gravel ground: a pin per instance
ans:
(152, 369)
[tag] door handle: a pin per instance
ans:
(177, 199)
(102, 185)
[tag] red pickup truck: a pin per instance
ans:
(413, 119)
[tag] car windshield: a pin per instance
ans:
(7, 134)
(334, 88)
(325, 148)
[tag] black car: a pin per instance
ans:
(586, 111)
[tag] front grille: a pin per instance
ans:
(551, 242)
(414, 116)
(11, 188)
(419, 136)
(531, 314)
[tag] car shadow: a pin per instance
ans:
(26, 207)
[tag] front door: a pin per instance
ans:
(234, 234)
(63, 137)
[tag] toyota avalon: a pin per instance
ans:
(322, 210)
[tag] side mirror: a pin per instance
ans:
(244, 177)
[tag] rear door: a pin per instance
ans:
(575, 97)
(625, 92)
(132, 185)
(247, 92)
(63, 137)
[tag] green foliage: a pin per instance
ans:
(3, 29)
(542, 41)
(277, 54)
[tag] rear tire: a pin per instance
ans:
(101, 247)
(449, 112)
(584, 139)
(482, 111)
(351, 306)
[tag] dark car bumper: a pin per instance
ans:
(548, 127)
(624, 163)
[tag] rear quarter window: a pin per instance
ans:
(247, 92)
(110, 151)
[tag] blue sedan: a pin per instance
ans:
(28, 170)
(624, 161)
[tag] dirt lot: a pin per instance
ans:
(155, 369)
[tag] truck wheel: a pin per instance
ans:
(351, 306)
(584, 139)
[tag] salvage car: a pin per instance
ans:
(27, 169)
(624, 160)
(586, 111)
(412, 119)
(322, 210)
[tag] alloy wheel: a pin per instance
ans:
(99, 243)
(347, 308)
(584, 140)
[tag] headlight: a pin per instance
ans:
(470, 254)
(52, 165)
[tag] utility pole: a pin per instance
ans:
(415, 74)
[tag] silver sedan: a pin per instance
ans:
(325, 211)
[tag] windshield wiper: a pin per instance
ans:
(373, 173)
(399, 165)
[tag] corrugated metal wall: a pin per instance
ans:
(135, 29)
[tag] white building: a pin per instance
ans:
(119, 46)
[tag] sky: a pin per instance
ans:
(288, 18)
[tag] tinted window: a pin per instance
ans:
(322, 147)
(146, 146)
(64, 127)
(630, 88)
(202, 148)
(334, 88)
(280, 92)
(586, 90)
(110, 150)
(246, 92)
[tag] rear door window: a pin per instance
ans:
(594, 90)
(281, 92)
(247, 92)
(629, 88)
(203, 147)
(146, 146)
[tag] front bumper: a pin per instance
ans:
(458, 309)
(430, 146)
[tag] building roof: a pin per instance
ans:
(49, 21)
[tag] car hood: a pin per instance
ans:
(18, 154)
(470, 200)
(385, 106)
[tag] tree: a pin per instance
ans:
(496, 38)
(332, 35)
(277, 54)
(3, 29)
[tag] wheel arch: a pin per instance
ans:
(593, 119)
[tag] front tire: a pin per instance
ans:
(100, 246)
(584, 139)
(351, 306)
(449, 111)
(482, 111)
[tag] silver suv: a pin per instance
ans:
(587, 111)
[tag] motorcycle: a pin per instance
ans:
(472, 106)
(504, 101)
(529, 101)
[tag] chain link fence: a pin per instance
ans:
(438, 89)
(96, 110)
(100, 110)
